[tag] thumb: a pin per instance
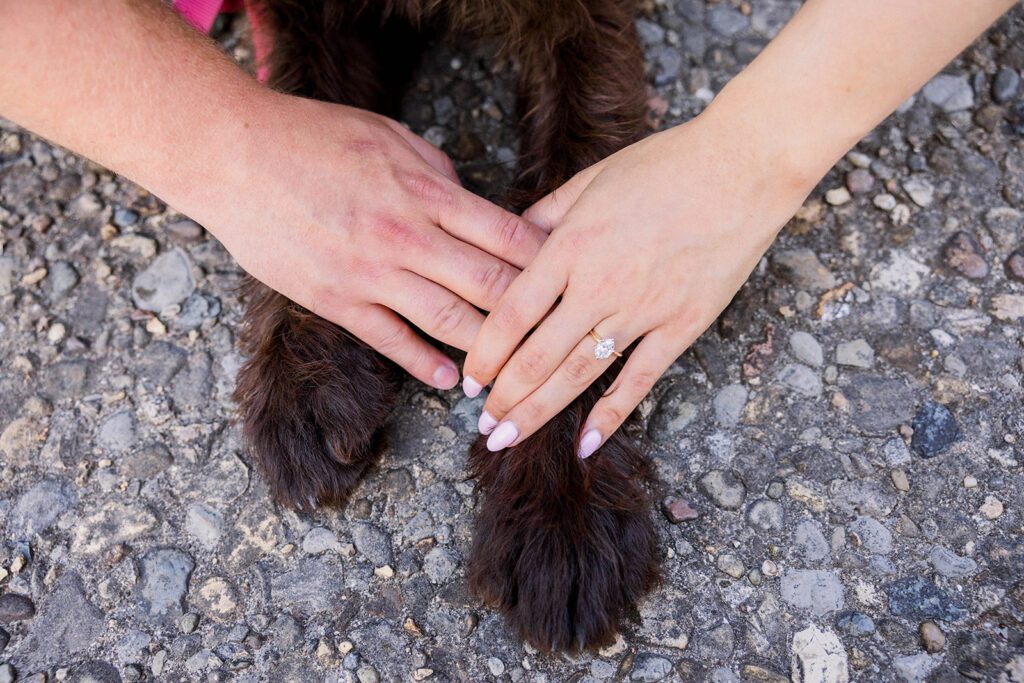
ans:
(549, 211)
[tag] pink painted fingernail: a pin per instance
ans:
(486, 423)
(471, 387)
(502, 437)
(446, 376)
(590, 442)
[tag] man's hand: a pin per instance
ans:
(364, 223)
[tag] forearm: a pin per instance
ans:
(127, 84)
(839, 68)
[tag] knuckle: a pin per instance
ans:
(530, 365)
(391, 342)
(512, 231)
(393, 230)
(507, 318)
(493, 280)
(578, 371)
(425, 187)
(639, 383)
(613, 414)
(449, 317)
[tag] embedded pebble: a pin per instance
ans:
(963, 255)
(992, 508)
(806, 349)
(935, 430)
(167, 281)
(724, 489)
(920, 191)
(856, 354)
(950, 93)
(818, 656)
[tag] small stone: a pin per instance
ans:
(857, 354)
(1006, 85)
(818, 656)
(731, 565)
(167, 281)
(385, 572)
(915, 598)
(963, 255)
(205, 524)
(860, 181)
(61, 279)
(855, 624)
(495, 666)
(367, 674)
(899, 480)
(373, 543)
(920, 191)
(318, 540)
(8, 673)
(935, 430)
(164, 581)
(884, 201)
(1008, 306)
(34, 277)
(932, 637)
(949, 564)
(726, 20)
(949, 93)
(14, 608)
(187, 623)
(1015, 266)
(422, 674)
(724, 489)
(802, 268)
(729, 404)
(649, 668)
(124, 218)
(678, 510)
(809, 542)
(806, 349)
(185, 230)
(838, 196)
(217, 598)
(117, 433)
(439, 565)
(766, 515)
(814, 590)
(802, 380)
(970, 482)
(136, 245)
(56, 333)
(992, 508)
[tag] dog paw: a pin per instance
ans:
(564, 547)
(311, 399)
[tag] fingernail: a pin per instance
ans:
(486, 423)
(446, 376)
(471, 387)
(502, 437)
(590, 442)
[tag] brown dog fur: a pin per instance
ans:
(563, 547)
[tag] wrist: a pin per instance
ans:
(791, 148)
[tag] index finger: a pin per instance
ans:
(487, 226)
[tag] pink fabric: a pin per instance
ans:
(202, 13)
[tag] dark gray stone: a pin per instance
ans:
(15, 608)
(164, 582)
(39, 507)
(935, 430)
(916, 599)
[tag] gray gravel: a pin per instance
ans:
(839, 457)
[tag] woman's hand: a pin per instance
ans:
(650, 244)
(364, 223)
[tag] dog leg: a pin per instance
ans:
(312, 397)
(565, 547)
